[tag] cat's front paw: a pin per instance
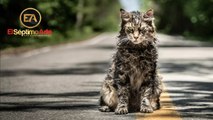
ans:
(121, 110)
(156, 105)
(146, 109)
(104, 109)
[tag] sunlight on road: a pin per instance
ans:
(64, 82)
(166, 112)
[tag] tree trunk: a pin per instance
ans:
(79, 15)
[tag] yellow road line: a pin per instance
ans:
(166, 112)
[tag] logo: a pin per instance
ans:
(30, 18)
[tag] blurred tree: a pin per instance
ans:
(68, 19)
(10, 11)
(187, 17)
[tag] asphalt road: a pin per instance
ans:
(63, 82)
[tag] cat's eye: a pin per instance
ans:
(130, 30)
(142, 30)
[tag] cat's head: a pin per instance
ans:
(137, 27)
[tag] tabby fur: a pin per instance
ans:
(132, 82)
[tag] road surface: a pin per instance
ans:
(63, 82)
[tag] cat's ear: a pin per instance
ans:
(149, 15)
(124, 15)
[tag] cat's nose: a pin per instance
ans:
(136, 37)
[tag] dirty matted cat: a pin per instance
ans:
(132, 82)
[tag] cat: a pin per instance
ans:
(132, 82)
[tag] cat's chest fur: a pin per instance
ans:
(138, 63)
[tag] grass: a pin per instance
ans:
(202, 39)
(191, 36)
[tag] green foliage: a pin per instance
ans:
(69, 19)
(187, 17)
